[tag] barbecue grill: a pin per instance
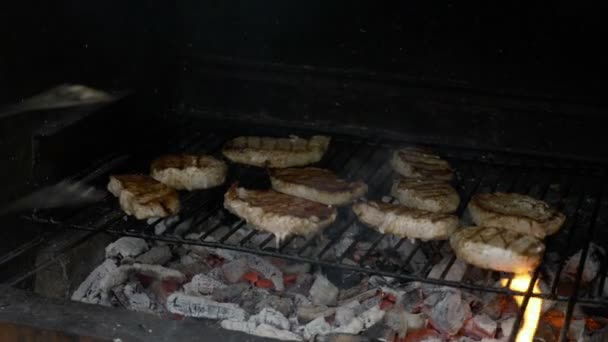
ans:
(518, 140)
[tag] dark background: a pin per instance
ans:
(485, 75)
(552, 49)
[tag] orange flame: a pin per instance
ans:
(521, 282)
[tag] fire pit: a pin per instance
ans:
(350, 282)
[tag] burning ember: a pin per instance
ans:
(521, 282)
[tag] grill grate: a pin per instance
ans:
(576, 188)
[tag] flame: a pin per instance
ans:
(521, 282)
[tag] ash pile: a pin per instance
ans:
(275, 298)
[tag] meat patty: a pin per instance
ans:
(413, 162)
(144, 197)
(406, 222)
(276, 152)
(278, 213)
(315, 184)
(516, 212)
(189, 172)
(497, 249)
(426, 194)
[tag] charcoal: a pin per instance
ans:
(366, 320)
(576, 330)
(455, 272)
(157, 255)
(346, 294)
(265, 330)
(303, 284)
(230, 293)
(318, 326)
(126, 247)
(158, 272)
(202, 284)
(480, 327)
(267, 269)
(161, 227)
(447, 310)
(244, 326)
(400, 321)
(353, 327)
(271, 317)
(190, 269)
(308, 313)
(323, 292)
(283, 305)
(361, 297)
(233, 271)
(506, 326)
(138, 301)
(296, 268)
(301, 300)
(201, 307)
(89, 290)
(249, 299)
(345, 313)
(368, 304)
(593, 263)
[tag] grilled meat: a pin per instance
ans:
(189, 172)
(515, 212)
(413, 162)
(406, 222)
(277, 213)
(426, 194)
(144, 197)
(497, 249)
(276, 152)
(317, 185)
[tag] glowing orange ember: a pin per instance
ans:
(520, 282)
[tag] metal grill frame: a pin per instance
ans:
(355, 158)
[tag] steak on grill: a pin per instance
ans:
(189, 172)
(413, 162)
(276, 152)
(426, 194)
(144, 197)
(515, 212)
(315, 184)
(278, 213)
(406, 222)
(497, 249)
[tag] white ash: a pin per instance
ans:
(182, 228)
(401, 321)
(126, 247)
(296, 268)
(507, 327)
(155, 255)
(345, 313)
(201, 307)
(138, 301)
(271, 317)
(234, 270)
(89, 290)
(202, 284)
(366, 320)
(447, 310)
(360, 297)
(576, 331)
(204, 251)
(158, 272)
(456, 271)
(485, 324)
(306, 314)
(368, 304)
(351, 292)
(318, 326)
(244, 326)
(301, 300)
(339, 337)
(593, 263)
(267, 269)
(229, 293)
(303, 284)
(323, 292)
(283, 305)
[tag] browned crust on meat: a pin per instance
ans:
(183, 161)
(414, 162)
(414, 213)
(276, 152)
(516, 212)
(427, 194)
(314, 177)
(281, 204)
(146, 191)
